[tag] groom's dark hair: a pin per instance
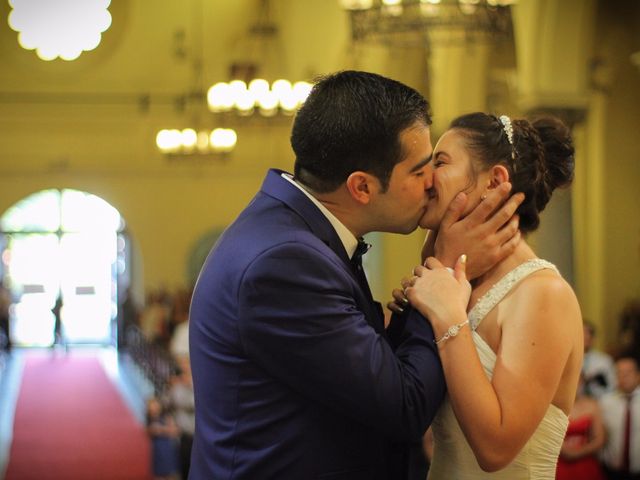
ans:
(352, 121)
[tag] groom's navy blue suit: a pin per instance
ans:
(295, 376)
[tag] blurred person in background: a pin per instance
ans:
(163, 434)
(621, 416)
(182, 400)
(5, 306)
(598, 369)
(583, 441)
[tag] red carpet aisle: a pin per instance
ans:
(71, 423)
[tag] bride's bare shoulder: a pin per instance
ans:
(545, 291)
(544, 283)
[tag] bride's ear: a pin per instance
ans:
(497, 175)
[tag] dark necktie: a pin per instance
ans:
(356, 263)
(362, 248)
(627, 437)
(376, 316)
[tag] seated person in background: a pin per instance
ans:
(182, 400)
(163, 433)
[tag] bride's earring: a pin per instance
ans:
(483, 196)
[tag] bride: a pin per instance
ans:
(511, 341)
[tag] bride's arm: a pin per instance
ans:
(499, 416)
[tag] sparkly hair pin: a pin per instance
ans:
(508, 129)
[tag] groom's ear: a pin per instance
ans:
(498, 175)
(359, 185)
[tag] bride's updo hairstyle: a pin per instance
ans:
(537, 154)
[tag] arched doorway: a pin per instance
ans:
(64, 243)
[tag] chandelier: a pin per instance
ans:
(245, 98)
(189, 142)
(258, 57)
(248, 92)
(422, 22)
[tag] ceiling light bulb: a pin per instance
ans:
(64, 28)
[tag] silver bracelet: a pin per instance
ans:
(452, 332)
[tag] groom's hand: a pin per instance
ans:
(487, 235)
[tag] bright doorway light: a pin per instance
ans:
(68, 243)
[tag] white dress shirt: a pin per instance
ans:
(600, 364)
(613, 406)
(348, 239)
(179, 345)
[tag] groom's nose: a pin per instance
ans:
(428, 176)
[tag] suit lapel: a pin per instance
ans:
(277, 187)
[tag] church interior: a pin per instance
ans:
(127, 125)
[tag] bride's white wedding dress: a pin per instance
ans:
(453, 458)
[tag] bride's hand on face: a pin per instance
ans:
(488, 234)
(439, 295)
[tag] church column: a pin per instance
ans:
(588, 213)
(553, 57)
(458, 74)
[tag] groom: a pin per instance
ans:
(295, 376)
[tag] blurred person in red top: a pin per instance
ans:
(584, 439)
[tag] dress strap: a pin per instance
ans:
(498, 291)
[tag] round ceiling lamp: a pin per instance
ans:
(59, 28)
